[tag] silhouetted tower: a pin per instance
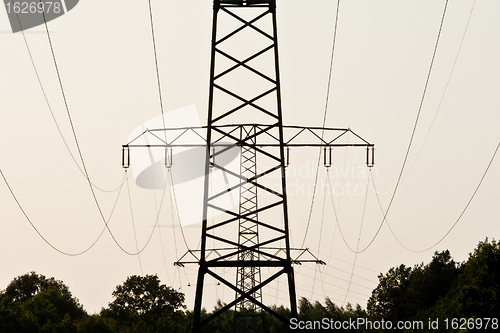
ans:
(244, 112)
(245, 90)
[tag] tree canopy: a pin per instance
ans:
(32, 303)
(441, 289)
(143, 304)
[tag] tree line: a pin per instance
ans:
(439, 290)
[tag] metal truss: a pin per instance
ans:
(254, 234)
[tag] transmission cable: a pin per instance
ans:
(359, 239)
(417, 118)
(52, 113)
(156, 65)
(133, 227)
(159, 233)
(80, 152)
(409, 144)
(457, 220)
(324, 120)
(177, 210)
(349, 263)
(444, 92)
(320, 236)
(40, 234)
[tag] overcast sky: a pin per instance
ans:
(382, 56)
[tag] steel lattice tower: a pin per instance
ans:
(245, 112)
(247, 316)
(224, 83)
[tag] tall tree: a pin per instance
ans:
(32, 303)
(476, 293)
(143, 304)
(404, 291)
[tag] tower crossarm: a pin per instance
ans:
(293, 137)
(230, 254)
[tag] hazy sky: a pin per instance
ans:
(382, 56)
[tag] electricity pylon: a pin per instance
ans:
(245, 111)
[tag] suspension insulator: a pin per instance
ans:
(370, 156)
(125, 157)
(168, 157)
(327, 157)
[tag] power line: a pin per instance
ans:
(81, 155)
(357, 246)
(84, 171)
(339, 278)
(349, 263)
(156, 63)
(409, 144)
(416, 120)
(75, 136)
(40, 234)
(324, 120)
(444, 92)
(177, 210)
(457, 220)
(320, 235)
(52, 113)
(133, 226)
(333, 285)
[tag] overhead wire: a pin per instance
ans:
(334, 285)
(177, 210)
(80, 152)
(172, 210)
(342, 173)
(320, 236)
(340, 200)
(158, 81)
(359, 239)
(459, 217)
(51, 111)
(325, 273)
(160, 97)
(390, 228)
(350, 263)
(84, 171)
(324, 120)
(416, 121)
(133, 226)
(427, 134)
(41, 235)
(341, 279)
(444, 92)
(409, 144)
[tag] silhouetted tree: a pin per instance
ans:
(144, 305)
(32, 303)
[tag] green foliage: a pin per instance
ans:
(390, 296)
(221, 324)
(308, 311)
(273, 324)
(32, 303)
(476, 291)
(144, 305)
(442, 289)
(404, 291)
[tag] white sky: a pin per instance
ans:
(383, 51)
